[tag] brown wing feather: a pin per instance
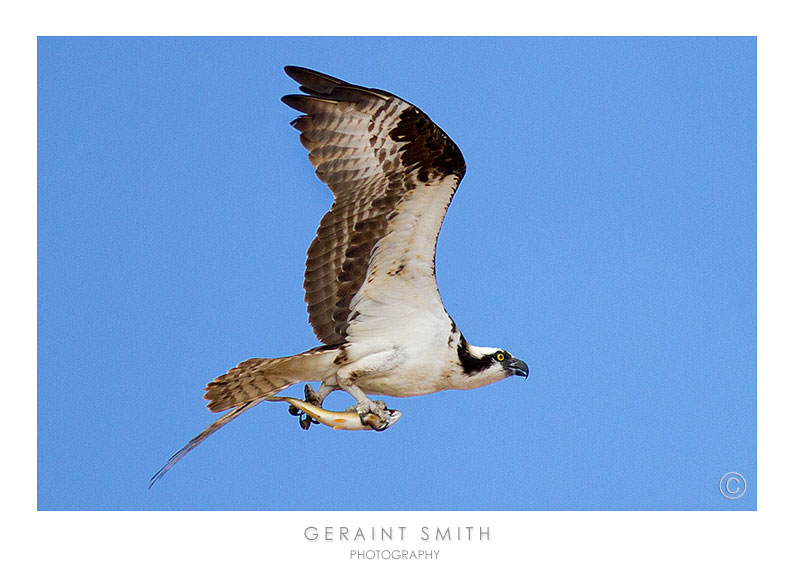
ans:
(370, 147)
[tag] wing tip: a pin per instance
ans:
(290, 100)
(313, 82)
(320, 85)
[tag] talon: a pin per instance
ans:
(294, 411)
(376, 421)
(305, 422)
(374, 414)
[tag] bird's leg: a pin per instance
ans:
(310, 396)
(366, 406)
(369, 365)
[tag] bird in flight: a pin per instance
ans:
(370, 280)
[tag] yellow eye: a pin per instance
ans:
(500, 356)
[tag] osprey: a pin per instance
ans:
(370, 281)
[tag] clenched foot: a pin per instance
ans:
(373, 413)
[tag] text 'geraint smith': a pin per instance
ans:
(396, 533)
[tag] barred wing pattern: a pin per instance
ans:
(375, 152)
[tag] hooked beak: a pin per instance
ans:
(517, 367)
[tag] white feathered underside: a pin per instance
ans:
(400, 293)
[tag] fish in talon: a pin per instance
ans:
(341, 420)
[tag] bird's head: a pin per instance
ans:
(484, 365)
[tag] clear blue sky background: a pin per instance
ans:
(604, 233)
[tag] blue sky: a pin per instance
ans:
(605, 233)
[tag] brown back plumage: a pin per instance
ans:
(371, 148)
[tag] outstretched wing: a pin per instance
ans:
(393, 173)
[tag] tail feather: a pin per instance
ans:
(255, 378)
(195, 441)
(250, 383)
